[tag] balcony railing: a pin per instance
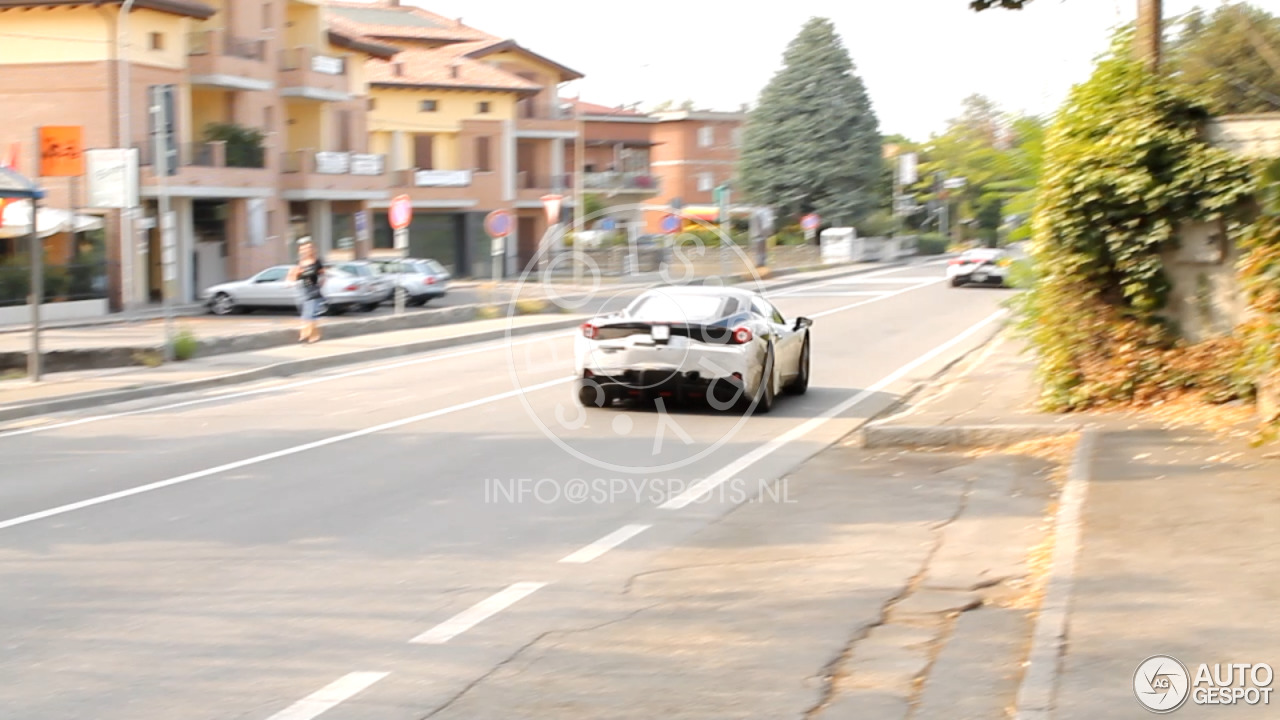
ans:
(218, 154)
(307, 59)
(220, 42)
(334, 163)
(619, 181)
(440, 178)
(526, 180)
(532, 109)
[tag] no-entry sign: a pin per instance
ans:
(401, 212)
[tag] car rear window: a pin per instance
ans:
(660, 307)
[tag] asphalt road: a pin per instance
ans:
(390, 534)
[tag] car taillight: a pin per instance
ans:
(353, 287)
(957, 261)
(430, 280)
(589, 331)
(741, 336)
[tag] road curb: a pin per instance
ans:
(282, 369)
(1037, 690)
(957, 436)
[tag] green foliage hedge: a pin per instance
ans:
(1125, 166)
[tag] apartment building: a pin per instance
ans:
(616, 159)
(267, 112)
(693, 153)
(470, 123)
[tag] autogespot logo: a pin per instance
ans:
(1161, 684)
(658, 439)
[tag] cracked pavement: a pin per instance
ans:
(883, 588)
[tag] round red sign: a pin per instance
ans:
(401, 212)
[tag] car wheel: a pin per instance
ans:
(336, 310)
(222, 304)
(801, 383)
(591, 394)
(369, 307)
(956, 282)
(765, 395)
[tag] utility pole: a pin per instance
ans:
(1148, 40)
(127, 241)
(163, 164)
(579, 204)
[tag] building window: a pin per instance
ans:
(482, 108)
(427, 106)
(373, 104)
(706, 136)
(157, 41)
(267, 20)
(268, 118)
(424, 152)
(706, 183)
(483, 160)
(737, 137)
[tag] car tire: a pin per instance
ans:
(369, 307)
(956, 282)
(765, 395)
(801, 383)
(222, 304)
(592, 395)
(336, 310)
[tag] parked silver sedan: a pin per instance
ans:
(422, 280)
(271, 289)
(382, 287)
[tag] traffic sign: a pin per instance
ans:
(498, 223)
(671, 224)
(362, 223)
(810, 221)
(552, 205)
(401, 212)
(608, 224)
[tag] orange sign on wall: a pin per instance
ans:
(61, 151)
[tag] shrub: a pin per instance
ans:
(931, 244)
(1125, 167)
(185, 345)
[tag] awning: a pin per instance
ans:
(50, 221)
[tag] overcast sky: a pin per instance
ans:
(918, 58)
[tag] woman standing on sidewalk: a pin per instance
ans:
(310, 271)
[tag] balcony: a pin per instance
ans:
(211, 164)
(307, 74)
(622, 182)
(455, 189)
(543, 120)
(327, 175)
(222, 60)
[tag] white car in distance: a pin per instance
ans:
(728, 346)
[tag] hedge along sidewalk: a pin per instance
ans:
(122, 346)
(22, 399)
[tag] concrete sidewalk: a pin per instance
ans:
(1180, 556)
(986, 399)
(1169, 546)
(20, 398)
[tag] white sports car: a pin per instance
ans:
(729, 346)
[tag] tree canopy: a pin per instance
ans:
(1229, 59)
(812, 144)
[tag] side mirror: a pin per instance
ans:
(802, 323)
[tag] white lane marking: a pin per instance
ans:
(258, 459)
(729, 471)
(487, 347)
(840, 293)
(605, 544)
(855, 280)
(878, 298)
(478, 613)
(850, 279)
(324, 699)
